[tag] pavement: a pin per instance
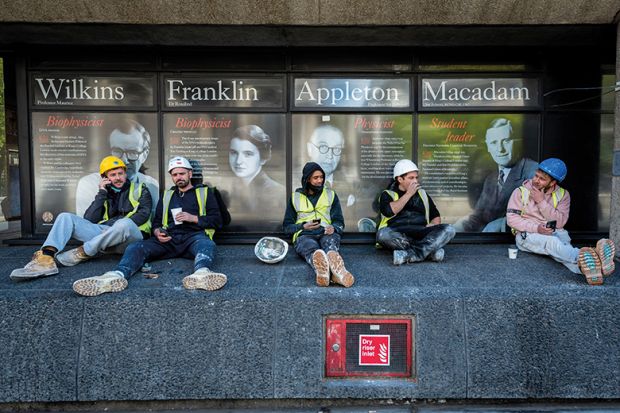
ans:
(485, 327)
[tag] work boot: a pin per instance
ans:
(399, 257)
(73, 257)
(204, 279)
(438, 255)
(606, 250)
(321, 267)
(590, 265)
(41, 265)
(110, 282)
(340, 275)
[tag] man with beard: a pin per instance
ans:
(537, 212)
(119, 214)
(131, 143)
(186, 218)
(410, 222)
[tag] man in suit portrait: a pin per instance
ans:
(489, 214)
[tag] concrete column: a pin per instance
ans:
(614, 219)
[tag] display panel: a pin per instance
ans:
(332, 93)
(474, 93)
(357, 153)
(67, 150)
(471, 163)
(243, 155)
(59, 90)
(208, 92)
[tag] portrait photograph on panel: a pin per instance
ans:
(471, 163)
(243, 155)
(67, 151)
(357, 154)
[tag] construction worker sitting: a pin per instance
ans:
(186, 218)
(537, 212)
(410, 222)
(314, 218)
(119, 214)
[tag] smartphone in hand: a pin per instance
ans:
(316, 221)
(551, 224)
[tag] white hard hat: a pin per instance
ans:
(271, 249)
(179, 162)
(404, 166)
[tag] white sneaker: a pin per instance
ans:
(110, 282)
(73, 257)
(41, 265)
(204, 279)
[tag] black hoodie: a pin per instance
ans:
(290, 217)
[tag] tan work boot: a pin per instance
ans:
(41, 265)
(590, 265)
(340, 275)
(110, 282)
(73, 257)
(321, 267)
(204, 279)
(606, 250)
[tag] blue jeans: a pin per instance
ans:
(96, 237)
(556, 245)
(419, 242)
(197, 246)
(305, 245)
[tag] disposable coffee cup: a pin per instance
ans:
(512, 252)
(174, 212)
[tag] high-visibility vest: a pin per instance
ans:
(394, 196)
(135, 192)
(307, 212)
(201, 196)
(556, 196)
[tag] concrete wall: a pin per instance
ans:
(614, 225)
(312, 12)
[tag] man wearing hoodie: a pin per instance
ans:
(119, 215)
(410, 222)
(537, 212)
(314, 218)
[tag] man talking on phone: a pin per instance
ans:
(537, 212)
(185, 221)
(119, 214)
(410, 222)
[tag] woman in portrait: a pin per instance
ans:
(253, 192)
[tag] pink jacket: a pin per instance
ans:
(535, 214)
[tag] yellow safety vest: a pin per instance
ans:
(556, 196)
(394, 196)
(201, 196)
(134, 199)
(307, 212)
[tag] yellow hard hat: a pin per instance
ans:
(110, 162)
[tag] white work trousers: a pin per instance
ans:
(556, 245)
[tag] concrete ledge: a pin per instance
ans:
(486, 327)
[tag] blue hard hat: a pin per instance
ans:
(554, 167)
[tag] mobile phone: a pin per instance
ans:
(316, 221)
(551, 224)
(164, 232)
